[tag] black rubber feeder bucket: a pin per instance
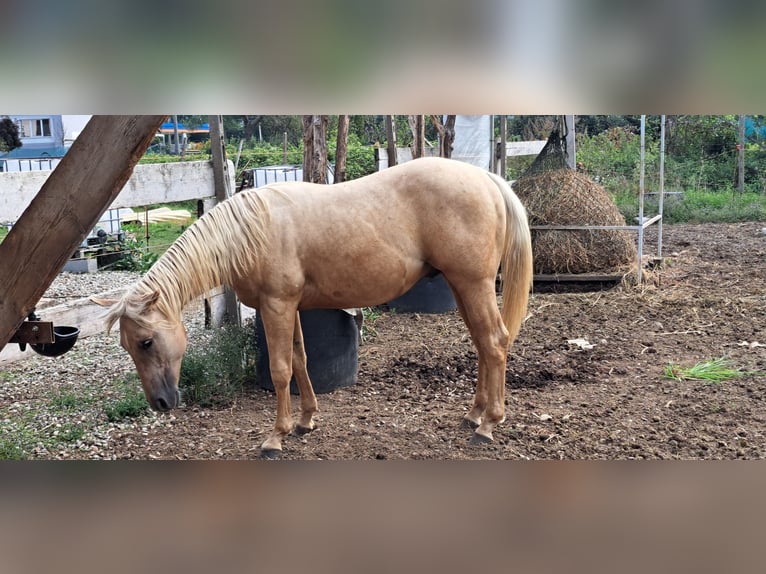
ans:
(429, 295)
(331, 338)
(64, 339)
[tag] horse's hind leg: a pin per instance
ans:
(479, 308)
(308, 398)
(472, 419)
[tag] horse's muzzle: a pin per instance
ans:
(167, 398)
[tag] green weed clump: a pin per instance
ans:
(714, 371)
(213, 372)
(132, 403)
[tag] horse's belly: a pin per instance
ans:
(357, 288)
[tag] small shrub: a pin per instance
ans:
(213, 372)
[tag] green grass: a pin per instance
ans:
(698, 207)
(132, 402)
(64, 400)
(18, 436)
(714, 371)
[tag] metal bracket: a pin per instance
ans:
(36, 332)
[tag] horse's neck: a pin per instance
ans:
(180, 283)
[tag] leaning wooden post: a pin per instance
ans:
(65, 210)
(228, 312)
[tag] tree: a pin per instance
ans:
(315, 149)
(417, 126)
(341, 148)
(446, 134)
(9, 135)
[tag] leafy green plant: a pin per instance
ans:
(371, 315)
(714, 371)
(213, 372)
(135, 257)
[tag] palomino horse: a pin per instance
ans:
(298, 245)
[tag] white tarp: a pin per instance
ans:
(473, 137)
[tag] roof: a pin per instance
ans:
(34, 152)
(169, 128)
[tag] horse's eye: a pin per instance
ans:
(146, 343)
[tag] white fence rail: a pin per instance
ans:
(149, 184)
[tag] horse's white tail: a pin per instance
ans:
(516, 264)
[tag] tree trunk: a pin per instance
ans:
(341, 147)
(315, 149)
(417, 125)
(391, 140)
(446, 134)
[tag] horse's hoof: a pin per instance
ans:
(271, 453)
(469, 424)
(301, 430)
(479, 439)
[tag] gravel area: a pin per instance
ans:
(68, 286)
(53, 408)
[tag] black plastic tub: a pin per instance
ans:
(429, 295)
(331, 338)
(64, 338)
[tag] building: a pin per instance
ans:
(42, 138)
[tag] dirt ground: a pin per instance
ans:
(611, 401)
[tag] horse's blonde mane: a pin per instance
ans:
(219, 246)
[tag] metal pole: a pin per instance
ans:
(641, 201)
(503, 147)
(662, 186)
(570, 141)
(175, 134)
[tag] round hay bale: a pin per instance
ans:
(565, 197)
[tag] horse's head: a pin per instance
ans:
(155, 342)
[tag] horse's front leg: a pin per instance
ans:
(278, 323)
(308, 398)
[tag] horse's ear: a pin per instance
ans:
(147, 300)
(103, 302)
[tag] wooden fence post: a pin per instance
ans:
(228, 310)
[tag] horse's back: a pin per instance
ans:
(386, 229)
